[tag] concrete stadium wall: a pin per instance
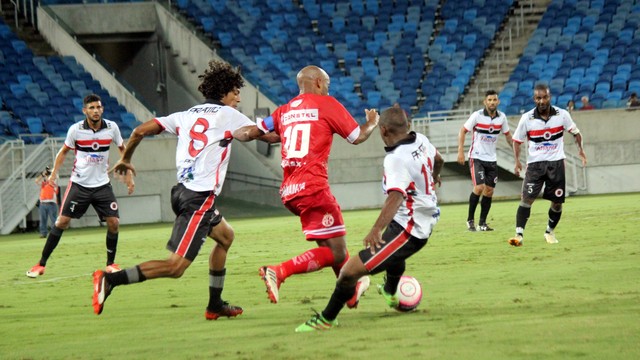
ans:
(612, 144)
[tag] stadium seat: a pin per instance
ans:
(35, 125)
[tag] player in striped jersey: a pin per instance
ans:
(202, 156)
(544, 127)
(407, 218)
(486, 124)
(90, 139)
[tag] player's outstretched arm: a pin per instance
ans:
(248, 133)
(367, 128)
(270, 137)
(123, 166)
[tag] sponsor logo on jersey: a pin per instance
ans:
(546, 147)
(289, 163)
(292, 189)
(94, 159)
(488, 139)
(186, 174)
(293, 116)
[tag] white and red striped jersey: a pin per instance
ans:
(546, 138)
(92, 151)
(486, 131)
(204, 143)
(306, 126)
(408, 168)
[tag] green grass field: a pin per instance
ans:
(579, 299)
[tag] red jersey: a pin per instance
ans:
(306, 126)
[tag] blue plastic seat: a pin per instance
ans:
(616, 95)
(207, 24)
(373, 98)
(322, 50)
(338, 23)
(35, 125)
(603, 87)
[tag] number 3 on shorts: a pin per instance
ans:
(294, 136)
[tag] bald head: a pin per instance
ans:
(313, 80)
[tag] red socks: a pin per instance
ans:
(309, 261)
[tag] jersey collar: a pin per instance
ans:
(486, 113)
(410, 139)
(215, 102)
(552, 112)
(103, 125)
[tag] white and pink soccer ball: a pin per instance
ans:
(409, 294)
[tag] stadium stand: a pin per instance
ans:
(580, 48)
(384, 48)
(43, 95)
(419, 53)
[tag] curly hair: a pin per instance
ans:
(219, 79)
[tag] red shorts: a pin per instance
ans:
(319, 214)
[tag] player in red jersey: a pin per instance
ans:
(306, 126)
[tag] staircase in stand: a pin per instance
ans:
(505, 53)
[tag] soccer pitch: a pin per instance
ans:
(483, 298)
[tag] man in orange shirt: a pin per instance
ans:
(48, 207)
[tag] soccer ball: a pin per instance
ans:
(409, 294)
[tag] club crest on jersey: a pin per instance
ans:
(546, 135)
(327, 220)
(114, 206)
(559, 192)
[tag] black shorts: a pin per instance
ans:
(548, 173)
(78, 198)
(196, 215)
(399, 245)
(483, 172)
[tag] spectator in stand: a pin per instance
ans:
(571, 105)
(634, 102)
(586, 105)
